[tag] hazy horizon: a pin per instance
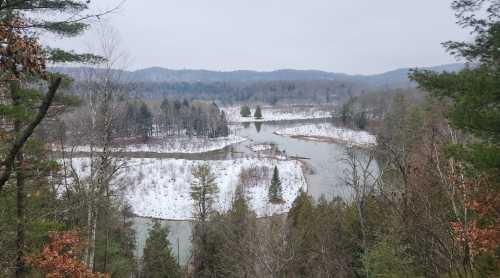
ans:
(359, 37)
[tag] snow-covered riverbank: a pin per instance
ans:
(271, 114)
(188, 145)
(326, 131)
(185, 145)
(160, 188)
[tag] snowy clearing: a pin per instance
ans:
(277, 114)
(329, 132)
(160, 188)
(171, 145)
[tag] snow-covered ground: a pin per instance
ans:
(160, 188)
(186, 145)
(277, 114)
(326, 131)
(261, 147)
(172, 145)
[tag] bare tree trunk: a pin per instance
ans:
(20, 206)
(91, 232)
(361, 180)
(92, 241)
(21, 221)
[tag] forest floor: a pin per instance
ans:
(160, 188)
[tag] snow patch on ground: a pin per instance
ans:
(329, 132)
(277, 114)
(160, 188)
(261, 147)
(171, 145)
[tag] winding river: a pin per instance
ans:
(324, 170)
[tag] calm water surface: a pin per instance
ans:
(324, 175)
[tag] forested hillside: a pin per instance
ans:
(397, 78)
(193, 173)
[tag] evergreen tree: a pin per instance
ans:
(203, 191)
(206, 240)
(474, 97)
(222, 126)
(302, 235)
(245, 111)
(130, 120)
(145, 121)
(361, 120)
(158, 261)
(23, 62)
(258, 113)
(346, 112)
(165, 113)
(275, 187)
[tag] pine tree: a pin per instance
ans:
(158, 261)
(275, 194)
(145, 121)
(245, 111)
(203, 191)
(205, 239)
(474, 98)
(23, 60)
(258, 113)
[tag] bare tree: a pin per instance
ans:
(92, 128)
(361, 176)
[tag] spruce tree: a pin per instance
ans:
(258, 113)
(145, 121)
(245, 111)
(275, 194)
(158, 261)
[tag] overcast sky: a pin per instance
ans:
(354, 36)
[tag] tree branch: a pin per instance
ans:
(26, 134)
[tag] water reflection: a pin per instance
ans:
(258, 126)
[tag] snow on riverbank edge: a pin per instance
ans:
(174, 145)
(160, 188)
(328, 132)
(186, 145)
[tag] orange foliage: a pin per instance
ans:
(20, 52)
(482, 231)
(59, 258)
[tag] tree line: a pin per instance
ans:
(195, 118)
(229, 93)
(432, 209)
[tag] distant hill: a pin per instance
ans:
(391, 79)
(399, 77)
